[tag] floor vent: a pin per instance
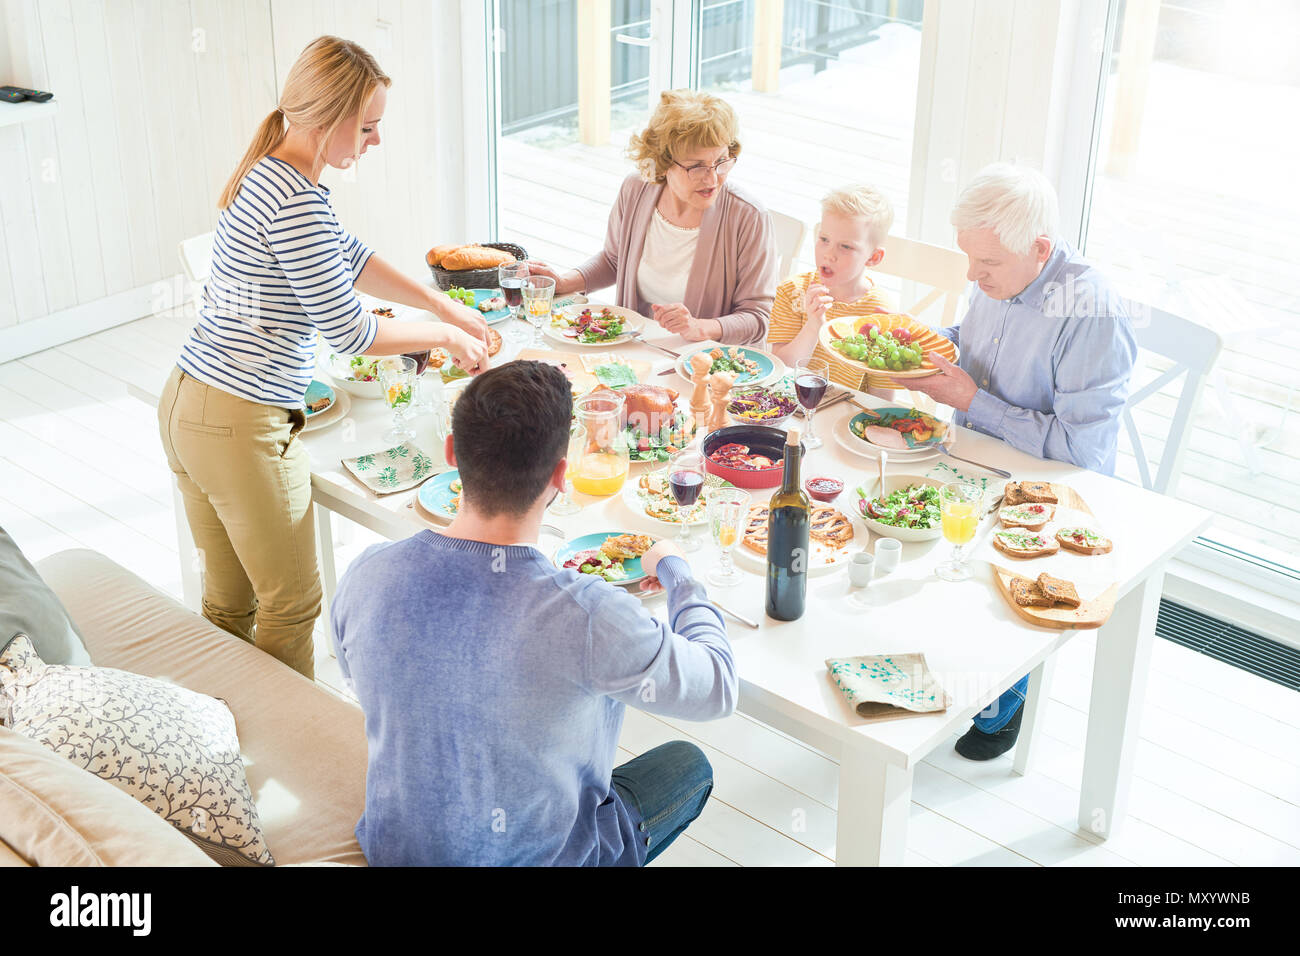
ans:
(1229, 643)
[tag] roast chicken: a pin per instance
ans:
(648, 407)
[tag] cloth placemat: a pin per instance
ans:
(947, 473)
(888, 686)
(391, 471)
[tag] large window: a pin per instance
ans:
(807, 77)
(1194, 209)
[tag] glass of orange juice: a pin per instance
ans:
(727, 510)
(959, 514)
(602, 467)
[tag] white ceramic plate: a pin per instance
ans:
(632, 322)
(770, 368)
(857, 446)
(823, 560)
(335, 413)
(894, 483)
(634, 498)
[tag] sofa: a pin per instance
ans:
(304, 748)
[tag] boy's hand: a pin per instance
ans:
(650, 560)
(816, 301)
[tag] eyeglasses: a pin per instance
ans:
(700, 173)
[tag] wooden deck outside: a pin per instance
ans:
(555, 197)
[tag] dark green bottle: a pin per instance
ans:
(787, 539)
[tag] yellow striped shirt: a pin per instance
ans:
(788, 317)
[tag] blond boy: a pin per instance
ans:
(854, 223)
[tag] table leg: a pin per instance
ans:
(191, 566)
(1040, 683)
(1119, 680)
(328, 573)
(871, 824)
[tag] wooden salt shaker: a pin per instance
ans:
(701, 362)
(720, 394)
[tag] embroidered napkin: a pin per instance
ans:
(888, 686)
(387, 472)
(947, 473)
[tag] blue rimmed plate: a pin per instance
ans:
(492, 318)
(938, 429)
(315, 392)
(592, 542)
(435, 495)
(769, 367)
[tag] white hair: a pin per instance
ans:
(863, 202)
(1018, 203)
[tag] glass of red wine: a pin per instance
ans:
(511, 277)
(686, 482)
(811, 379)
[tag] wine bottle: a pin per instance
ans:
(787, 539)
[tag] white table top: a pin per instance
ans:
(973, 641)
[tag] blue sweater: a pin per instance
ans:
(493, 686)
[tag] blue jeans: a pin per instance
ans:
(995, 716)
(664, 789)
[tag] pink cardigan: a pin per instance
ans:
(733, 275)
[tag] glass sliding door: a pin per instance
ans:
(1194, 209)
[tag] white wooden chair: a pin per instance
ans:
(789, 233)
(1193, 349)
(941, 270)
(196, 256)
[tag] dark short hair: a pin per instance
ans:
(511, 427)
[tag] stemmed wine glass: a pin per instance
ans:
(511, 277)
(686, 481)
(538, 292)
(397, 378)
(565, 505)
(811, 379)
(959, 515)
(727, 510)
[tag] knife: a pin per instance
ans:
(977, 464)
(739, 617)
(641, 338)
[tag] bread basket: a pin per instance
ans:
(475, 278)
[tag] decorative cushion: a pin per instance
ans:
(172, 749)
(28, 606)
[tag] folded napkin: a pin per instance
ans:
(887, 686)
(387, 472)
(947, 473)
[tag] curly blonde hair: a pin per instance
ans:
(684, 120)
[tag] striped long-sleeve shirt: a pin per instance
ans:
(282, 270)
(788, 318)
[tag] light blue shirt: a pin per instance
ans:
(1052, 364)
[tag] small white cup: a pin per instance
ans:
(888, 553)
(861, 568)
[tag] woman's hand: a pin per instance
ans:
(466, 351)
(566, 282)
(816, 301)
(677, 318)
(464, 318)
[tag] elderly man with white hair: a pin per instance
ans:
(1047, 351)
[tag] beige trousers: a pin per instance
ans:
(246, 483)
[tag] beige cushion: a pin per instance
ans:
(9, 858)
(53, 813)
(304, 749)
(172, 749)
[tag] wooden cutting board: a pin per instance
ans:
(578, 366)
(1092, 613)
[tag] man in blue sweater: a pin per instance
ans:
(494, 684)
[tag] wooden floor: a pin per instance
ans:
(1217, 772)
(555, 196)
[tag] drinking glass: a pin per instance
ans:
(565, 505)
(727, 510)
(959, 512)
(511, 277)
(686, 481)
(811, 379)
(538, 292)
(604, 461)
(397, 377)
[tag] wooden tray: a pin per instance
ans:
(576, 366)
(1092, 613)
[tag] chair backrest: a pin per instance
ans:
(789, 233)
(940, 269)
(196, 257)
(1193, 349)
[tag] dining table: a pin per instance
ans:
(973, 641)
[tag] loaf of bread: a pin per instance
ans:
(438, 253)
(475, 257)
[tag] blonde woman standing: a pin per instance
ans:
(284, 270)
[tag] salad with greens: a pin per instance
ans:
(598, 563)
(916, 507)
(361, 368)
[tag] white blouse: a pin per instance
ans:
(665, 261)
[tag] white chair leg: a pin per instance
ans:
(191, 560)
(1040, 685)
(328, 573)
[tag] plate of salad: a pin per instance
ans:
(751, 366)
(907, 508)
(593, 325)
(613, 556)
(913, 429)
(356, 374)
(661, 445)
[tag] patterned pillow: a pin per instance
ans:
(172, 749)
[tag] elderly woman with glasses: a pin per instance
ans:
(684, 246)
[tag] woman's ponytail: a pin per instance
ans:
(268, 138)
